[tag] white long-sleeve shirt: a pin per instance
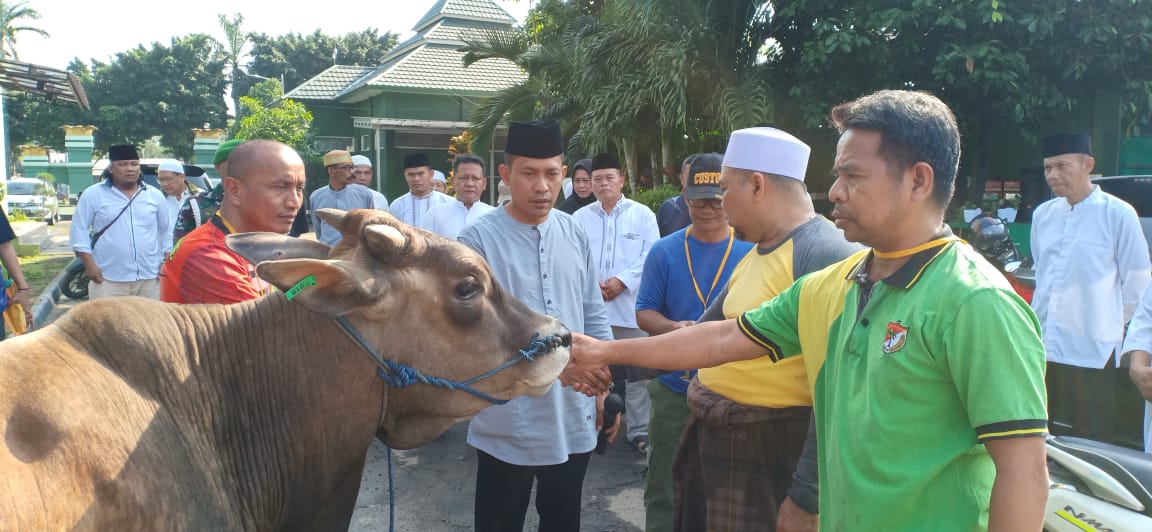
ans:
(134, 245)
(412, 210)
(1139, 337)
(449, 219)
(1092, 266)
(620, 241)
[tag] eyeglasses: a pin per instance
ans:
(347, 167)
(167, 179)
(701, 203)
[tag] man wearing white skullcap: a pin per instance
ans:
(439, 183)
(362, 175)
(173, 181)
(749, 458)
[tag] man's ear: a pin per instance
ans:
(758, 183)
(504, 171)
(231, 187)
(1089, 163)
(329, 287)
(923, 180)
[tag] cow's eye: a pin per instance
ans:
(467, 289)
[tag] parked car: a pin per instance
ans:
(1134, 189)
(35, 198)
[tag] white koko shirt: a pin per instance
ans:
(1092, 266)
(448, 219)
(620, 241)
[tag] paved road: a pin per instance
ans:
(435, 483)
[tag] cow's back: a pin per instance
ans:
(85, 441)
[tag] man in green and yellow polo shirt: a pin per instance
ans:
(929, 370)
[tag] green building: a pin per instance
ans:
(417, 99)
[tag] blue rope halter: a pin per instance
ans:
(399, 375)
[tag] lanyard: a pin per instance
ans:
(704, 300)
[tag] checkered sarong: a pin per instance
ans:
(735, 463)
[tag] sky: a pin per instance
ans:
(87, 29)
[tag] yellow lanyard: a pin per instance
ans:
(719, 271)
(231, 230)
(912, 251)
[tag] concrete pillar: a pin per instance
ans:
(204, 149)
(78, 146)
(34, 159)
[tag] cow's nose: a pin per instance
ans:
(565, 338)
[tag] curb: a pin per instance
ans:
(46, 303)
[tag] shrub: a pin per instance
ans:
(656, 196)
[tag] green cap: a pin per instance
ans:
(225, 150)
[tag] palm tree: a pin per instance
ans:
(235, 39)
(11, 13)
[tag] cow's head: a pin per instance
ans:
(418, 299)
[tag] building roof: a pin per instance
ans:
(478, 10)
(430, 62)
(327, 84)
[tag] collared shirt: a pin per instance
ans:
(1091, 267)
(412, 210)
(202, 269)
(620, 241)
(134, 245)
(550, 269)
(352, 196)
(449, 219)
(941, 357)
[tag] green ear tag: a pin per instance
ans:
(300, 286)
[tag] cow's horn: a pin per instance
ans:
(334, 217)
(385, 238)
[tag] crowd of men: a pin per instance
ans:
(781, 371)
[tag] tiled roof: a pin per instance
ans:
(469, 9)
(440, 67)
(432, 61)
(327, 84)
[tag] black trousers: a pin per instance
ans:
(503, 490)
(1098, 404)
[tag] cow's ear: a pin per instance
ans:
(327, 286)
(260, 247)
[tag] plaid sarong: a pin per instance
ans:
(735, 463)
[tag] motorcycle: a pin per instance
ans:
(1097, 486)
(993, 242)
(74, 285)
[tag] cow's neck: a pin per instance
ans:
(310, 394)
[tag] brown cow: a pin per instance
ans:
(129, 414)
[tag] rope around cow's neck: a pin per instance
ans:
(402, 375)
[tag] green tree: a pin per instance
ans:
(162, 90)
(264, 115)
(299, 57)
(232, 49)
(12, 13)
(1011, 66)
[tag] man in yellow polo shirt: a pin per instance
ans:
(750, 419)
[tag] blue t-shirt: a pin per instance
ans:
(668, 289)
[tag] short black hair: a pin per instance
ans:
(914, 127)
(465, 158)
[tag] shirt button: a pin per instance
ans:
(549, 302)
(545, 276)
